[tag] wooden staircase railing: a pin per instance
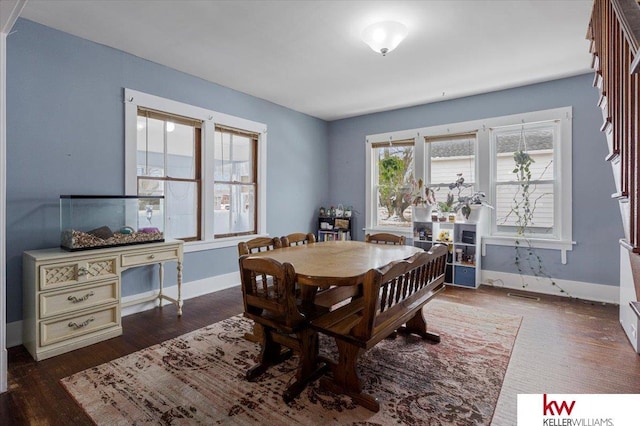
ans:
(614, 32)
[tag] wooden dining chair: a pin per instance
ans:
(324, 296)
(257, 245)
(269, 296)
(297, 239)
(385, 238)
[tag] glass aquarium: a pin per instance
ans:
(99, 221)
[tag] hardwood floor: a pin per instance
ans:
(563, 346)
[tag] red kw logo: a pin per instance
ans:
(549, 406)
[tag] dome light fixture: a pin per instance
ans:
(384, 36)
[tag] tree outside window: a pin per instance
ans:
(395, 174)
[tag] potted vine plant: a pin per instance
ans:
(446, 207)
(422, 199)
(468, 205)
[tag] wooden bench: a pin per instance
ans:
(392, 299)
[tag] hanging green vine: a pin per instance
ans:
(523, 209)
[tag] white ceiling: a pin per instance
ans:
(308, 55)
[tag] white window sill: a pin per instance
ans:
(539, 243)
(193, 246)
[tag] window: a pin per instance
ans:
(393, 171)
(537, 141)
(450, 158)
(168, 164)
(235, 182)
(482, 152)
(209, 166)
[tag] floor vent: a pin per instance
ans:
(523, 296)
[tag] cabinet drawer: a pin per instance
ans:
(78, 298)
(63, 274)
(149, 257)
(58, 330)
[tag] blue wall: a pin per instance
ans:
(65, 135)
(597, 225)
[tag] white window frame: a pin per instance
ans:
(485, 171)
(371, 200)
(133, 99)
(563, 201)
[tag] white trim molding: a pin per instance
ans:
(3, 211)
(485, 178)
(10, 11)
(209, 118)
(538, 243)
(578, 289)
(189, 290)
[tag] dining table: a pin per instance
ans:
(339, 268)
(338, 263)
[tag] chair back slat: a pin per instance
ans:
(385, 238)
(258, 244)
(297, 239)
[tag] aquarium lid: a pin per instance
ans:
(140, 197)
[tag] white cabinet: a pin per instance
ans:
(73, 299)
(463, 240)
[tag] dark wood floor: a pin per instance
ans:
(563, 346)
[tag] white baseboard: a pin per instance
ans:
(578, 289)
(189, 290)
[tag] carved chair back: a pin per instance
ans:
(258, 244)
(298, 238)
(385, 238)
(268, 292)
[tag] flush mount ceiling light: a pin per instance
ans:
(384, 36)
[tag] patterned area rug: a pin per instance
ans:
(198, 378)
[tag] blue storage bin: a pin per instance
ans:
(465, 276)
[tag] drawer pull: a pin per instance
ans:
(82, 271)
(152, 256)
(76, 326)
(74, 299)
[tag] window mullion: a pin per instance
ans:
(231, 195)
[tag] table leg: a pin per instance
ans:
(178, 301)
(161, 276)
(179, 289)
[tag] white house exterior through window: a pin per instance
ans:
(482, 152)
(210, 166)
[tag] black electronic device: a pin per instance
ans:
(469, 237)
